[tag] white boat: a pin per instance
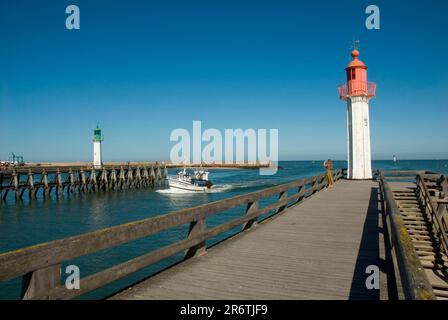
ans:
(197, 182)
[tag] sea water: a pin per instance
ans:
(32, 222)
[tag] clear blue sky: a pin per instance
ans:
(144, 68)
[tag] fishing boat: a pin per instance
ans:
(196, 182)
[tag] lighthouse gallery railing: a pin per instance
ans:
(367, 88)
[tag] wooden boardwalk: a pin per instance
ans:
(318, 249)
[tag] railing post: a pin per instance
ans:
(337, 174)
(441, 209)
(300, 193)
(196, 228)
(251, 207)
(282, 197)
(443, 201)
(38, 282)
(313, 186)
(444, 185)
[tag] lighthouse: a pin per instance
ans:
(357, 92)
(97, 139)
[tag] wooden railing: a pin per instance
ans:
(40, 265)
(412, 277)
(400, 175)
(435, 207)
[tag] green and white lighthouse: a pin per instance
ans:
(97, 139)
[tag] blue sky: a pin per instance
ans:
(144, 68)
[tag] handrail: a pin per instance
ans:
(40, 265)
(437, 218)
(404, 174)
(413, 278)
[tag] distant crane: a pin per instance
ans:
(16, 160)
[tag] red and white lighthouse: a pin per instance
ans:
(358, 92)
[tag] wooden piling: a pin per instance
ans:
(92, 179)
(44, 180)
(83, 185)
(32, 193)
(59, 186)
(16, 177)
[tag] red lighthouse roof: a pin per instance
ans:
(356, 63)
(357, 84)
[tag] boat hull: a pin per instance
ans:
(185, 186)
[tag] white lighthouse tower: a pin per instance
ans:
(97, 139)
(358, 92)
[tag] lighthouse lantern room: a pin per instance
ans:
(97, 139)
(358, 92)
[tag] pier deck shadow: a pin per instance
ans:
(318, 249)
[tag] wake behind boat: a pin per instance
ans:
(198, 182)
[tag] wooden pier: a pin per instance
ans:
(312, 251)
(317, 244)
(68, 178)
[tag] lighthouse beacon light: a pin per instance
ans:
(97, 139)
(357, 93)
